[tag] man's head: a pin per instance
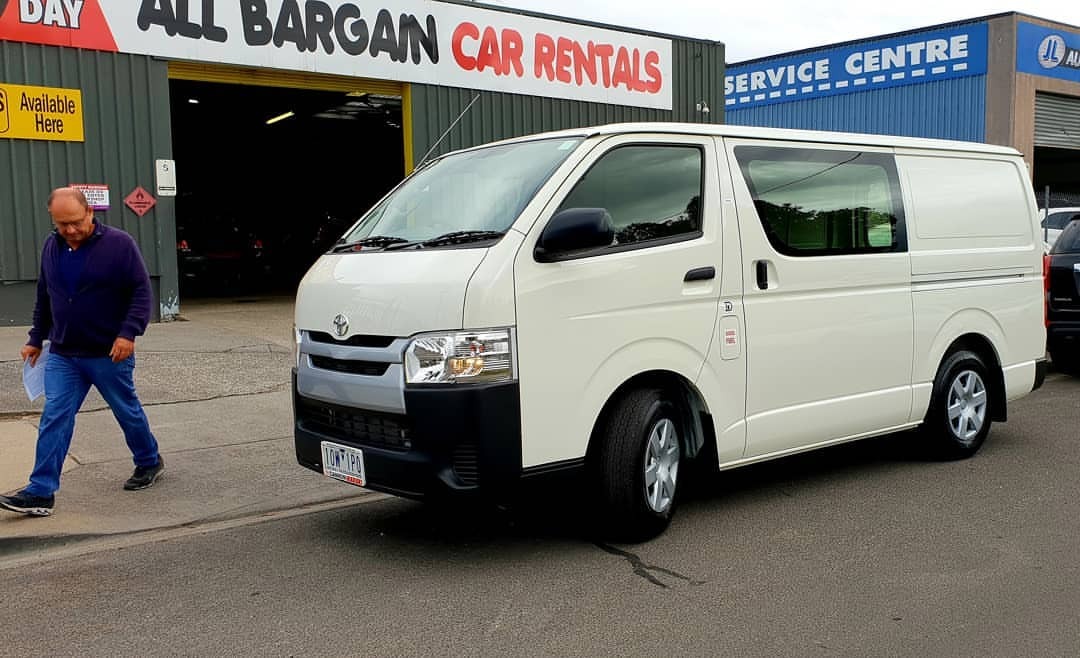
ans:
(72, 215)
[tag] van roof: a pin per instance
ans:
(723, 130)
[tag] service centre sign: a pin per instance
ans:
(912, 59)
(40, 113)
(1051, 53)
(402, 40)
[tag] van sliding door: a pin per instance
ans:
(827, 292)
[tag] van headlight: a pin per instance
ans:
(461, 357)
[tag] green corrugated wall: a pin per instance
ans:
(126, 125)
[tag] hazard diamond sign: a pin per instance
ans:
(140, 201)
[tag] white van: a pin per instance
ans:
(614, 301)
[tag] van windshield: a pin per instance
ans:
(465, 197)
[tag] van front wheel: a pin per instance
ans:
(959, 417)
(638, 464)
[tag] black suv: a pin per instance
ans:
(1063, 300)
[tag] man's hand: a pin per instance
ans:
(122, 348)
(30, 352)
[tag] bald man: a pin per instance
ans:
(93, 299)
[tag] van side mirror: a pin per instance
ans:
(574, 229)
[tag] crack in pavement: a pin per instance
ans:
(37, 549)
(643, 570)
(270, 348)
(273, 389)
(32, 414)
(182, 451)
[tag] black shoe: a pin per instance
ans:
(145, 476)
(24, 503)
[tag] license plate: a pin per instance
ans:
(343, 463)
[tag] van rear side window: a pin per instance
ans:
(817, 202)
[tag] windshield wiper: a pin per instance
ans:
(370, 241)
(452, 238)
(461, 237)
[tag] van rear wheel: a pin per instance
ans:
(638, 464)
(959, 417)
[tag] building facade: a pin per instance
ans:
(1007, 79)
(275, 122)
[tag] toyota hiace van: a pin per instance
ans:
(614, 302)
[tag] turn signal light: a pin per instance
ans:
(465, 367)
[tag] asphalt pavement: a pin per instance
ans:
(215, 385)
(858, 550)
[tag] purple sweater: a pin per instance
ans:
(113, 297)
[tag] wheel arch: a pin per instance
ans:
(699, 434)
(974, 329)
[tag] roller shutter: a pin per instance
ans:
(277, 78)
(1057, 121)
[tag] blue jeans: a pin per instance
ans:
(67, 381)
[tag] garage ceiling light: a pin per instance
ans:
(280, 117)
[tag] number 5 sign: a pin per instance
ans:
(166, 177)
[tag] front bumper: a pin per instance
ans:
(451, 440)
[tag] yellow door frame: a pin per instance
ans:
(203, 72)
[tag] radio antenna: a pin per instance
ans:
(447, 132)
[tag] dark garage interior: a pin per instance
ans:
(1056, 168)
(268, 178)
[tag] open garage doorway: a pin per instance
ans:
(269, 177)
(1059, 170)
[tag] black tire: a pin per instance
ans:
(630, 509)
(1066, 361)
(958, 432)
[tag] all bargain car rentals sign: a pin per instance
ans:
(402, 40)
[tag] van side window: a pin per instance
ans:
(815, 202)
(651, 192)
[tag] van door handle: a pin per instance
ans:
(762, 275)
(700, 274)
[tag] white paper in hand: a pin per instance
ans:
(34, 378)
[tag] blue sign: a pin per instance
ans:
(908, 60)
(1048, 52)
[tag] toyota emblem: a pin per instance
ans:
(341, 325)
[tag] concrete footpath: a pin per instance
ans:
(215, 386)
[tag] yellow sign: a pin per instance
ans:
(41, 113)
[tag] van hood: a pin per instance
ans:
(387, 293)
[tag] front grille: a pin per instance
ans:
(369, 368)
(466, 463)
(351, 341)
(367, 428)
